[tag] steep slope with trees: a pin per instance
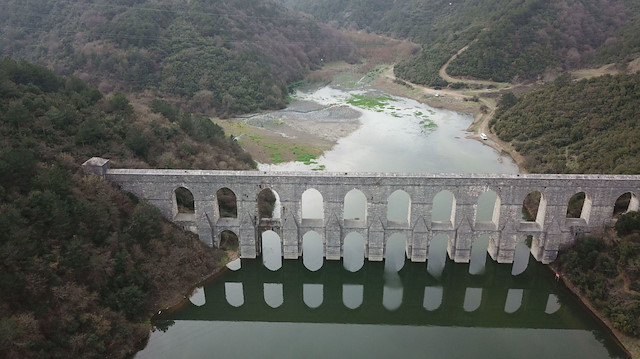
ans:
(84, 265)
(509, 40)
(225, 57)
(589, 126)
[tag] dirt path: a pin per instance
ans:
(460, 100)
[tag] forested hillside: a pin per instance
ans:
(510, 40)
(589, 126)
(228, 57)
(83, 264)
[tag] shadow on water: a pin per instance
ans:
(382, 294)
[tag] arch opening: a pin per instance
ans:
(312, 251)
(184, 207)
(271, 250)
(353, 252)
(355, 206)
(627, 202)
(437, 257)
(268, 204)
(444, 205)
(575, 205)
(399, 207)
(227, 203)
(488, 209)
(534, 208)
(312, 204)
(229, 242)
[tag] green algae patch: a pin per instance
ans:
(375, 103)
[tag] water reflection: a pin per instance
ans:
(353, 252)
(271, 250)
(234, 294)
(432, 298)
(273, 294)
(521, 258)
(472, 299)
(313, 295)
(479, 255)
(457, 303)
(514, 300)
(437, 255)
(352, 295)
(197, 298)
(395, 252)
(553, 304)
(392, 297)
(312, 250)
(235, 264)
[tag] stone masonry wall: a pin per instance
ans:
(550, 231)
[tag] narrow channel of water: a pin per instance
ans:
(313, 308)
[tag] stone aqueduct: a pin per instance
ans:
(550, 230)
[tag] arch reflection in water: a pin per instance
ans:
(235, 264)
(312, 249)
(312, 295)
(271, 250)
(352, 295)
(197, 298)
(353, 252)
(437, 255)
(479, 255)
(395, 252)
(514, 300)
(370, 299)
(234, 293)
(392, 296)
(432, 298)
(472, 299)
(521, 257)
(553, 304)
(273, 294)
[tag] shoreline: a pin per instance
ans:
(629, 344)
(454, 100)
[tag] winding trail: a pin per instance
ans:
(481, 118)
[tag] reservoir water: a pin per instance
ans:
(353, 308)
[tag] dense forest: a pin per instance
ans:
(588, 126)
(83, 264)
(509, 40)
(223, 57)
